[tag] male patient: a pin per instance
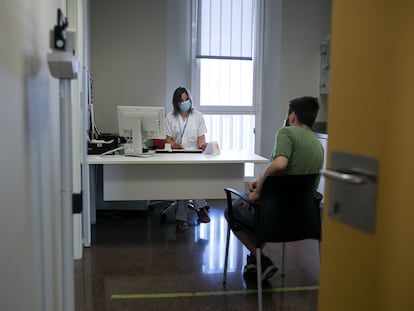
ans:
(297, 151)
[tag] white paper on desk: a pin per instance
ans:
(212, 148)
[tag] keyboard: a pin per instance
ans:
(179, 151)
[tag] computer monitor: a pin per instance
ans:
(138, 124)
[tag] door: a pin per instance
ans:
(371, 111)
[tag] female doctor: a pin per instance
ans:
(185, 128)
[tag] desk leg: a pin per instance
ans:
(95, 189)
(86, 206)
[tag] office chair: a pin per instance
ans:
(169, 204)
(289, 210)
(165, 206)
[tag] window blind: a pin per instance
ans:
(225, 29)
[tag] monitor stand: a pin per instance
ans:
(134, 149)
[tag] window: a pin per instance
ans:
(223, 70)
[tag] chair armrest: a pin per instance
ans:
(230, 193)
(240, 195)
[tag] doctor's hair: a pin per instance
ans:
(306, 109)
(176, 100)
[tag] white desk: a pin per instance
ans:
(116, 178)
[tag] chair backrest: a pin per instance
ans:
(289, 209)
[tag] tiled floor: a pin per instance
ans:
(139, 262)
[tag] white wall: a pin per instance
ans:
(292, 58)
(30, 215)
(271, 108)
(128, 56)
(178, 70)
(305, 25)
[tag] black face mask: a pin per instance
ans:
(286, 121)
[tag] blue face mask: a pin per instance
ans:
(185, 106)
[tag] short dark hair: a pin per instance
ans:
(306, 109)
(176, 100)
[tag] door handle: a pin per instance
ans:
(352, 197)
(348, 177)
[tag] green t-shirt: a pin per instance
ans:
(301, 147)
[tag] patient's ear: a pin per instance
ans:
(289, 120)
(293, 118)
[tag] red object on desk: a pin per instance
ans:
(158, 143)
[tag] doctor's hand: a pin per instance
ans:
(175, 145)
(202, 146)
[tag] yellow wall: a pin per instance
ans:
(371, 111)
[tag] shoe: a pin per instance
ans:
(182, 226)
(268, 268)
(203, 215)
(250, 267)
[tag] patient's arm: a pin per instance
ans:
(276, 167)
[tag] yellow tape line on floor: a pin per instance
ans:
(213, 293)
